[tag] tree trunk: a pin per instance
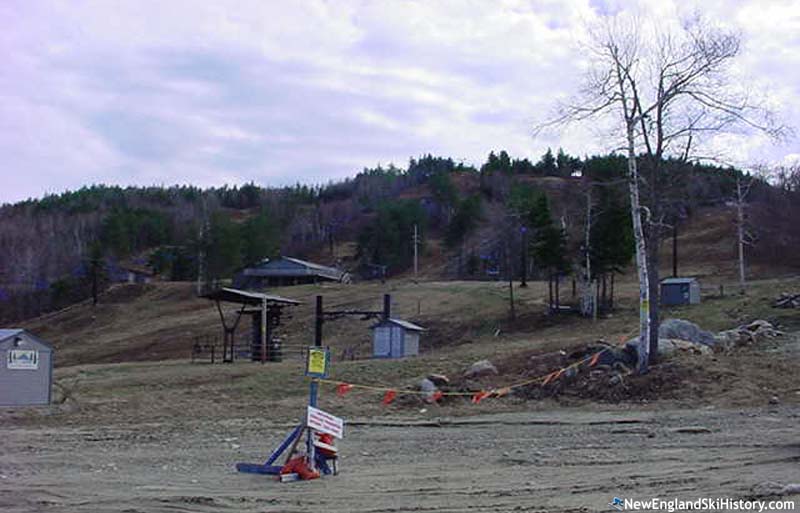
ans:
(611, 294)
(641, 251)
(740, 234)
(558, 298)
(588, 294)
(655, 305)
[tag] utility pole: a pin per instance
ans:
(524, 282)
(201, 253)
(675, 250)
(415, 241)
(512, 311)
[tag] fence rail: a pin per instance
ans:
(209, 349)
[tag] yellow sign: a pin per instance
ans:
(318, 359)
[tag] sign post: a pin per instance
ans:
(318, 360)
(317, 367)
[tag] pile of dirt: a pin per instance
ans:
(609, 377)
(671, 380)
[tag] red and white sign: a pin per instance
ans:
(324, 422)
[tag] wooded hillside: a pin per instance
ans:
(508, 215)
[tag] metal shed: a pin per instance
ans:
(26, 369)
(680, 291)
(395, 338)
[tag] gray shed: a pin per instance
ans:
(680, 291)
(26, 369)
(395, 338)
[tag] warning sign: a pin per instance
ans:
(318, 360)
(23, 359)
(325, 422)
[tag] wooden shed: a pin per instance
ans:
(26, 369)
(395, 338)
(680, 291)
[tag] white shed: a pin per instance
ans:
(395, 338)
(26, 369)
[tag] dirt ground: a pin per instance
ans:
(561, 460)
(164, 436)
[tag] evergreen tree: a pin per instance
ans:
(465, 220)
(224, 247)
(387, 240)
(260, 238)
(547, 164)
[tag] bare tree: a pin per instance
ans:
(743, 236)
(671, 91)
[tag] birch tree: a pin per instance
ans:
(743, 237)
(666, 92)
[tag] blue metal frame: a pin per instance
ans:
(267, 467)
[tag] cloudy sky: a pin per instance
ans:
(209, 93)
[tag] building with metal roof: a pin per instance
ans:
(680, 291)
(395, 338)
(287, 271)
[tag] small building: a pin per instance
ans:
(129, 274)
(26, 369)
(680, 291)
(287, 271)
(395, 338)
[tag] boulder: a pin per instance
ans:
(480, 368)
(670, 346)
(440, 380)
(761, 329)
(745, 334)
(428, 388)
(685, 330)
(728, 339)
(773, 489)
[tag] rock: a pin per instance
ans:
(767, 489)
(761, 329)
(685, 330)
(668, 347)
(727, 340)
(428, 388)
(791, 489)
(615, 380)
(426, 385)
(689, 346)
(440, 380)
(481, 368)
(745, 335)
(774, 400)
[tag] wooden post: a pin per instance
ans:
(318, 323)
(263, 330)
(416, 256)
(675, 250)
(558, 294)
(387, 306)
(524, 282)
(611, 293)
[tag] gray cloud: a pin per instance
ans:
(211, 93)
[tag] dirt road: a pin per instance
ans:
(559, 460)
